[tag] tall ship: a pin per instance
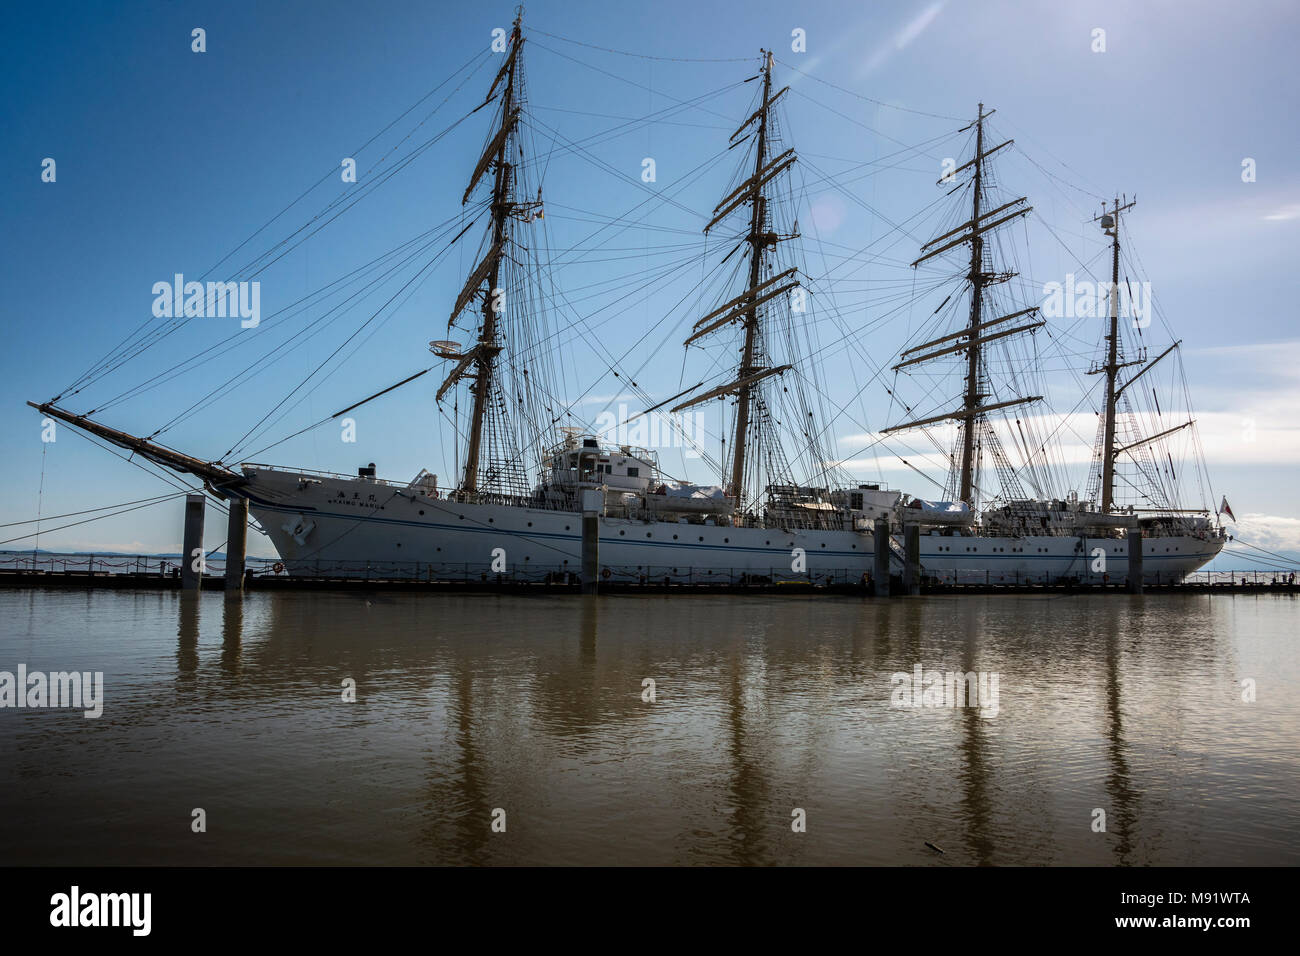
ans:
(784, 506)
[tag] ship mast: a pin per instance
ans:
(485, 277)
(972, 396)
(757, 244)
(975, 335)
(1110, 224)
(745, 307)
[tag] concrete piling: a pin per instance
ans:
(236, 543)
(880, 570)
(1134, 536)
(192, 558)
(593, 503)
(912, 562)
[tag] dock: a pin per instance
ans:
(164, 574)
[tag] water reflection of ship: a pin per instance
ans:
(973, 788)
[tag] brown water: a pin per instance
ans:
(466, 704)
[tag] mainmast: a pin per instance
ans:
(972, 339)
(1110, 224)
(484, 279)
(976, 277)
(757, 244)
(745, 307)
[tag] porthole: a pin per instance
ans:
(421, 512)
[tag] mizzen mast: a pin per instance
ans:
(1110, 224)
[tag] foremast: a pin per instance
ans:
(971, 416)
(744, 308)
(479, 362)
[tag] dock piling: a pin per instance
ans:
(1135, 559)
(192, 557)
(880, 570)
(912, 562)
(236, 543)
(593, 503)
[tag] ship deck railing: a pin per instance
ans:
(317, 473)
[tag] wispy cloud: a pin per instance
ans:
(904, 37)
(1284, 213)
(1273, 532)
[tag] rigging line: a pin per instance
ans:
(83, 521)
(850, 119)
(239, 338)
(641, 86)
(266, 360)
(629, 119)
(346, 200)
(180, 322)
(612, 363)
(1288, 564)
(687, 179)
(644, 56)
(75, 514)
(420, 275)
(606, 167)
(632, 124)
(896, 227)
(334, 170)
(342, 203)
(40, 494)
(335, 352)
(1273, 554)
(868, 99)
(166, 477)
(1021, 135)
(260, 229)
(873, 167)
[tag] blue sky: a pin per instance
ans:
(169, 159)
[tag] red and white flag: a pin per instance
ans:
(1224, 509)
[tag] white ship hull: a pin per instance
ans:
(338, 526)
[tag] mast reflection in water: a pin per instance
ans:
(532, 711)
